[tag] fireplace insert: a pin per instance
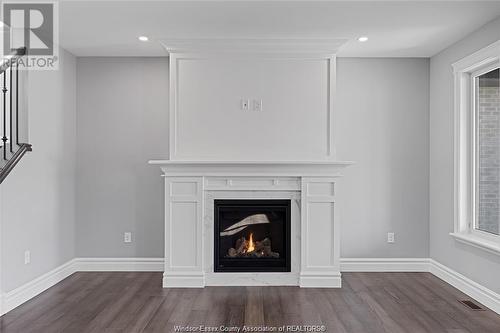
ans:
(252, 235)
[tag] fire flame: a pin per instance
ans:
(251, 245)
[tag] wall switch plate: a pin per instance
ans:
(257, 105)
(390, 237)
(27, 257)
(127, 237)
(245, 104)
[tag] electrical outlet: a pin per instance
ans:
(257, 105)
(390, 237)
(27, 257)
(127, 237)
(245, 104)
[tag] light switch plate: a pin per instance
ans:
(127, 237)
(27, 257)
(257, 105)
(390, 237)
(245, 104)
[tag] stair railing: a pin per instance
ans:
(13, 114)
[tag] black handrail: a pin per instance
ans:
(4, 110)
(11, 155)
(11, 163)
(12, 58)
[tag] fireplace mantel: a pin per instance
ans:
(326, 168)
(191, 188)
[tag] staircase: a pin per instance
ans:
(13, 113)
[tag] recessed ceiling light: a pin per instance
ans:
(143, 38)
(362, 39)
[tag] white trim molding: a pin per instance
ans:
(480, 293)
(384, 264)
(27, 291)
(119, 264)
(473, 289)
(478, 59)
(464, 150)
(320, 279)
(177, 59)
(254, 45)
(478, 242)
(24, 293)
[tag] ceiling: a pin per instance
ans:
(395, 28)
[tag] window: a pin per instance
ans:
(486, 105)
(477, 149)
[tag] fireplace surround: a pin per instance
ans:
(192, 189)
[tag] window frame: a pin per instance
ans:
(475, 174)
(465, 142)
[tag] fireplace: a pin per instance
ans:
(303, 230)
(252, 235)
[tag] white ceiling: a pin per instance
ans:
(395, 29)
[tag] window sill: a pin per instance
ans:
(476, 241)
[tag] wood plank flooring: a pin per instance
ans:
(135, 302)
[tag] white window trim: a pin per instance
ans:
(464, 123)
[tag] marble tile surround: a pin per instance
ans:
(238, 279)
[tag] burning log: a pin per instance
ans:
(232, 252)
(248, 249)
(241, 246)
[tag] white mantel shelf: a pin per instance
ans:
(209, 162)
(323, 168)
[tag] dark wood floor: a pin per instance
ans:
(135, 302)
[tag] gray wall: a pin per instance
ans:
(476, 264)
(122, 118)
(122, 122)
(38, 197)
(382, 118)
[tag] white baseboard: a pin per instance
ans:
(384, 264)
(320, 280)
(183, 280)
(480, 293)
(18, 296)
(471, 288)
(119, 264)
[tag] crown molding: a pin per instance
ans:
(254, 45)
